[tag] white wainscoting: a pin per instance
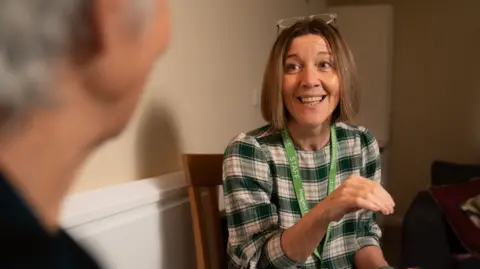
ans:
(144, 224)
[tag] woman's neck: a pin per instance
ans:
(310, 138)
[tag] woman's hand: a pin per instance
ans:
(356, 193)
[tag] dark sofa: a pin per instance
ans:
(428, 241)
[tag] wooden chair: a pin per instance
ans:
(204, 171)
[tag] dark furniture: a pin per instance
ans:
(428, 241)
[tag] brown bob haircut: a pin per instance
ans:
(272, 105)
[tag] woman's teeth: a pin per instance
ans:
(311, 100)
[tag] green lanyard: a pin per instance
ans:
(297, 179)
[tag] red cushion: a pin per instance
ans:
(450, 198)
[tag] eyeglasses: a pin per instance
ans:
(285, 23)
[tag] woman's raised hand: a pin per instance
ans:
(356, 193)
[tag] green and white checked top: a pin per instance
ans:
(260, 201)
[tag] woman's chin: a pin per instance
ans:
(312, 122)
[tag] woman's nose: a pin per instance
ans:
(310, 78)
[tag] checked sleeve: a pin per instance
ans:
(254, 234)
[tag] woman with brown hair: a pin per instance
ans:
(303, 190)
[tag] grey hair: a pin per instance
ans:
(33, 35)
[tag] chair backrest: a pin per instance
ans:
(204, 171)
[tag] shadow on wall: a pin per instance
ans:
(158, 143)
(159, 152)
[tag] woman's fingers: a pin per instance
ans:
(379, 202)
(368, 197)
(386, 198)
(368, 204)
(379, 192)
(381, 197)
(372, 191)
(361, 193)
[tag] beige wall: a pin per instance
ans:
(436, 89)
(201, 92)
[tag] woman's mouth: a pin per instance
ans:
(311, 100)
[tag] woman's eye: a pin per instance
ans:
(292, 67)
(325, 65)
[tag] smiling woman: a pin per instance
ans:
(303, 190)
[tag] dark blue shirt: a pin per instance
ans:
(26, 244)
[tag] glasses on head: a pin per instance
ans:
(327, 18)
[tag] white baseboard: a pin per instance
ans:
(142, 224)
(89, 206)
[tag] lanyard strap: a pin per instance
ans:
(297, 179)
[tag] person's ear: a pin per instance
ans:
(103, 16)
(106, 15)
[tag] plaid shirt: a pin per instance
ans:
(260, 200)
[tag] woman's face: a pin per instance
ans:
(311, 89)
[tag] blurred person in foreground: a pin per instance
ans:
(71, 73)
